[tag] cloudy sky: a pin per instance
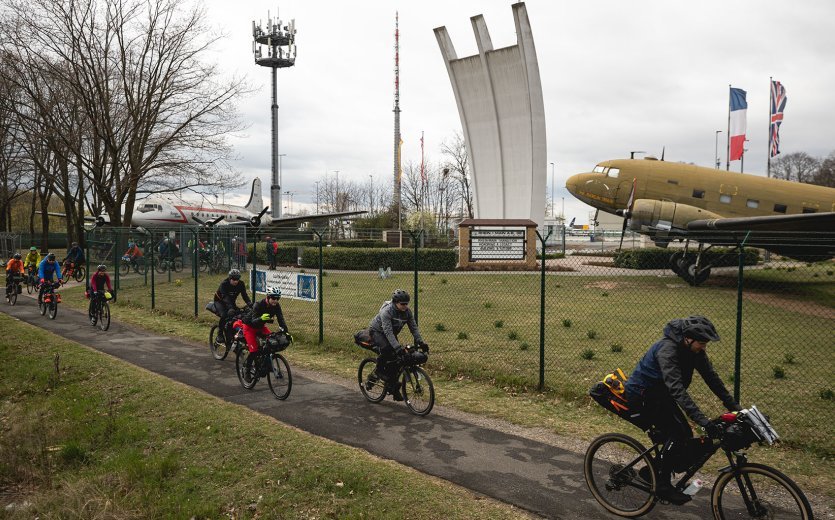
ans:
(617, 76)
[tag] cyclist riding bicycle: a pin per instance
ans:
(32, 259)
(657, 390)
(134, 253)
(384, 328)
(99, 280)
(75, 256)
(46, 270)
(14, 270)
(226, 296)
(263, 312)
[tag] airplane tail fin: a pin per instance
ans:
(256, 203)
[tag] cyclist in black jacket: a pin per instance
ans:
(657, 389)
(226, 296)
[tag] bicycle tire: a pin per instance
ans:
(279, 378)
(418, 390)
(159, 265)
(373, 389)
(79, 274)
(605, 473)
(91, 313)
(13, 296)
(125, 268)
(221, 350)
(203, 266)
(178, 265)
(52, 312)
(775, 500)
(30, 288)
(104, 316)
(249, 379)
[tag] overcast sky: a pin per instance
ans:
(616, 76)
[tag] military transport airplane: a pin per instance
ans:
(676, 201)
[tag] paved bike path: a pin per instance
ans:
(529, 474)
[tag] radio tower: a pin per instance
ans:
(397, 118)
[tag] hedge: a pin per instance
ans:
(371, 259)
(658, 258)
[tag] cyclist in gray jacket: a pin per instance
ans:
(384, 328)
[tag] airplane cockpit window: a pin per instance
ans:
(146, 208)
(599, 169)
(613, 172)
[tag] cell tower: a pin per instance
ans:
(280, 41)
(397, 199)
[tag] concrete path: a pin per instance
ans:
(530, 474)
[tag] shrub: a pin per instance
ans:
(788, 358)
(440, 327)
(779, 373)
(827, 394)
(617, 347)
(498, 324)
(370, 259)
(443, 280)
(462, 335)
(524, 346)
(658, 258)
(566, 323)
(587, 354)
(592, 334)
(334, 284)
(829, 273)
(487, 305)
(512, 335)
(605, 294)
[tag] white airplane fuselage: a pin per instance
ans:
(171, 211)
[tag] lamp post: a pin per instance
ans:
(552, 189)
(716, 150)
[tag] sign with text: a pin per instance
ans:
(293, 285)
(497, 244)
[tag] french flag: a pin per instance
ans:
(736, 123)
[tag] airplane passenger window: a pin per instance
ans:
(807, 209)
(780, 208)
(753, 203)
(725, 199)
(613, 172)
(698, 194)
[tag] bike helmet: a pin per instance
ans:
(75, 244)
(17, 256)
(33, 248)
(235, 274)
(131, 244)
(400, 296)
(101, 267)
(50, 256)
(274, 292)
(699, 328)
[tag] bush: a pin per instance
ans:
(524, 346)
(440, 327)
(566, 323)
(592, 334)
(463, 335)
(512, 335)
(659, 258)
(498, 324)
(487, 305)
(788, 358)
(370, 259)
(617, 348)
(779, 373)
(587, 354)
(827, 394)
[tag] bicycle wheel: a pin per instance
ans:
(30, 286)
(247, 375)
(279, 377)
(203, 265)
(104, 316)
(418, 391)
(159, 265)
(79, 274)
(140, 267)
(92, 315)
(217, 343)
(619, 477)
(52, 311)
(758, 491)
(13, 295)
(42, 306)
(372, 387)
(178, 265)
(125, 267)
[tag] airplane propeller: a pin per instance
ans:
(100, 221)
(256, 220)
(209, 224)
(627, 213)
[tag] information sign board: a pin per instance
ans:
(293, 285)
(497, 244)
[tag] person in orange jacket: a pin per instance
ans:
(14, 270)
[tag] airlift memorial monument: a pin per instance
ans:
(500, 104)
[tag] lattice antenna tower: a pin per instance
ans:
(397, 157)
(280, 43)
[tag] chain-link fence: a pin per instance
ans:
(602, 309)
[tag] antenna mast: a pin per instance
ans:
(397, 199)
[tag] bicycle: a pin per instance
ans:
(168, 264)
(49, 300)
(266, 362)
(219, 344)
(415, 384)
(620, 473)
(98, 312)
(14, 289)
(73, 271)
(31, 279)
(130, 263)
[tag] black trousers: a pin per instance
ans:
(386, 365)
(660, 410)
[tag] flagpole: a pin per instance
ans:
(770, 101)
(728, 149)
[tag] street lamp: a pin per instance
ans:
(552, 189)
(716, 150)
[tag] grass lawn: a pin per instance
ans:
(484, 334)
(85, 435)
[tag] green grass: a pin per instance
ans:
(101, 438)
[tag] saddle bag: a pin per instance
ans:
(213, 308)
(363, 339)
(610, 393)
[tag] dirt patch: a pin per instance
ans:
(603, 285)
(808, 308)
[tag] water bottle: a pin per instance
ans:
(694, 487)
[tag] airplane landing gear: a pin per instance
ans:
(689, 267)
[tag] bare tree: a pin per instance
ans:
(797, 166)
(455, 152)
(825, 176)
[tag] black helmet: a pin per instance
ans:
(234, 274)
(400, 296)
(101, 267)
(50, 256)
(699, 328)
(17, 256)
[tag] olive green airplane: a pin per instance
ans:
(675, 201)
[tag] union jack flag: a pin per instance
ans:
(778, 103)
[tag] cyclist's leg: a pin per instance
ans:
(673, 427)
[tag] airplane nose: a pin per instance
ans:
(572, 182)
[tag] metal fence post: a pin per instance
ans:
(415, 239)
(195, 232)
(151, 268)
(321, 294)
(87, 256)
(116, 241)
(254, 261)
(738, 350)
(542, 313)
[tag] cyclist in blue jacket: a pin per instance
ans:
(46, 270)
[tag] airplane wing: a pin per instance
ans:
(313, 218)
(820, 222)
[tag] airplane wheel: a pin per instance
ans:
(675, 258)
(693, 278)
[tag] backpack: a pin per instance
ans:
(275, 247)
